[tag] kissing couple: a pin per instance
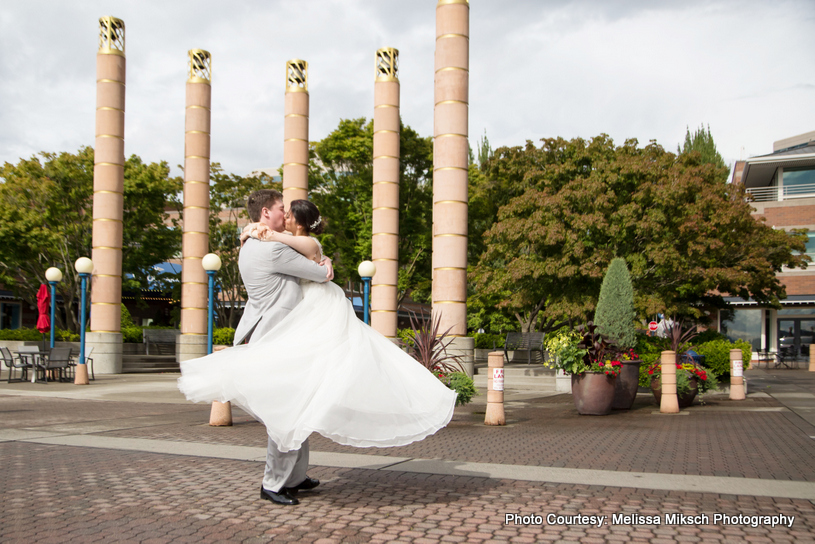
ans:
(303, 362)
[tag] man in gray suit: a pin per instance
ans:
(270, 271)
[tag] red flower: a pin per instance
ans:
(651, 371)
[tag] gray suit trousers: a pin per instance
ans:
(284, 469)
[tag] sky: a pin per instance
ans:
(644, 69)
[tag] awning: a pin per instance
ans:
(791, 300)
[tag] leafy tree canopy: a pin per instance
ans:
(702, 142)
(46, 220)
(341, 185)
(687, 236)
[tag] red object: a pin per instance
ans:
(652, 326)
(44, 308)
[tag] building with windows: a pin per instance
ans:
(782, 189)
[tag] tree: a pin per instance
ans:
(341, 182)
(687, 236)
(228, 194)
(615, 308)
(702, 142)
(46, 220)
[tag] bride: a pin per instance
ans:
(321, 369)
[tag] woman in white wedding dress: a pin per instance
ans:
(321, 369)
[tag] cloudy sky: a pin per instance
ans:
(644, 69)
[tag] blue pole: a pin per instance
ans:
(367, 291)
(53, 305)
(211, 274)
(84, 279)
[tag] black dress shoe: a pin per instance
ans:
(281, 497)
(305, 485)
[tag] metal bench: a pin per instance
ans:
(531, 342)
(160, 341)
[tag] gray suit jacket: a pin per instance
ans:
(270, 271)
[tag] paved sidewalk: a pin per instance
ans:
(127, 459)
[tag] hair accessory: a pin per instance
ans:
(316, 223)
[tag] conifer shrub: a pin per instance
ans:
(614, 316)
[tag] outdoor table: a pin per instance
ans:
(31, 359)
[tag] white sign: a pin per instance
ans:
(497, 379)
(737, 368)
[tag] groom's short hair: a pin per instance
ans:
(264, 198)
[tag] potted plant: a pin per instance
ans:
(429, 347)
(691, 379)
(614, 318)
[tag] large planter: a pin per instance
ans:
(625, 390)
(684, 400)
(593, 393)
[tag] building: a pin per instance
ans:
(782, 189)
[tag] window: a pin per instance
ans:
(9, 315)
(743, 325)
(799, 182)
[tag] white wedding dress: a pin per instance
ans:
(323, 370)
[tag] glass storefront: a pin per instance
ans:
(745, 325)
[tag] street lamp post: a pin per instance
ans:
(211, 263)
(84, 266)
(54, 276)
(366, 270)
(220, 414)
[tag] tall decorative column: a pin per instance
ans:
(295, 133)
(108, 189)
(192, 342)
(385, 221)
(450, 162)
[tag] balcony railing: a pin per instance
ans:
(770, 194)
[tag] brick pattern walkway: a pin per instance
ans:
(54, 494)
(710, 441)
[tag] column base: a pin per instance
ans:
(107, 351)
(464, 347)
(190, 346)
(81, 375)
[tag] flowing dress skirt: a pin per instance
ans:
(323, 370)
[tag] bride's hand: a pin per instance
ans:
(326, 262)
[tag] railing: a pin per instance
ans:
(770, 194)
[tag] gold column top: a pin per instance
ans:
(296, 76)
(448, 2)
(387, 64)
(200, 66)
(111, 36)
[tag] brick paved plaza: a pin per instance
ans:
(125, 459)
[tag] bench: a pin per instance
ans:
(531, 342)
(162, 341)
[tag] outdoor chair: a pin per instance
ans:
(531, 342)
(57, 361)
(12, 365)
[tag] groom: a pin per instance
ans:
(269, 271)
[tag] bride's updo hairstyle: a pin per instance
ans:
(308, 216)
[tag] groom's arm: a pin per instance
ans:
(288, 261)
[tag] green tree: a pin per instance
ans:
(341, 182)
(685, 233)
(615, 308)
(46, 220)
(702, 142)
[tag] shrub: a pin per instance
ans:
(132, 334)
(33, 335)
(462, 384)
(223, 336)
(485, 340)
(717, 355)
(614, 316)
(405, 337)
(708, 336)
(650, 349)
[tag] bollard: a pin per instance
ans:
(669, 403)
(220, 415)
(736, 375)
(495, 389)
(812, 357)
